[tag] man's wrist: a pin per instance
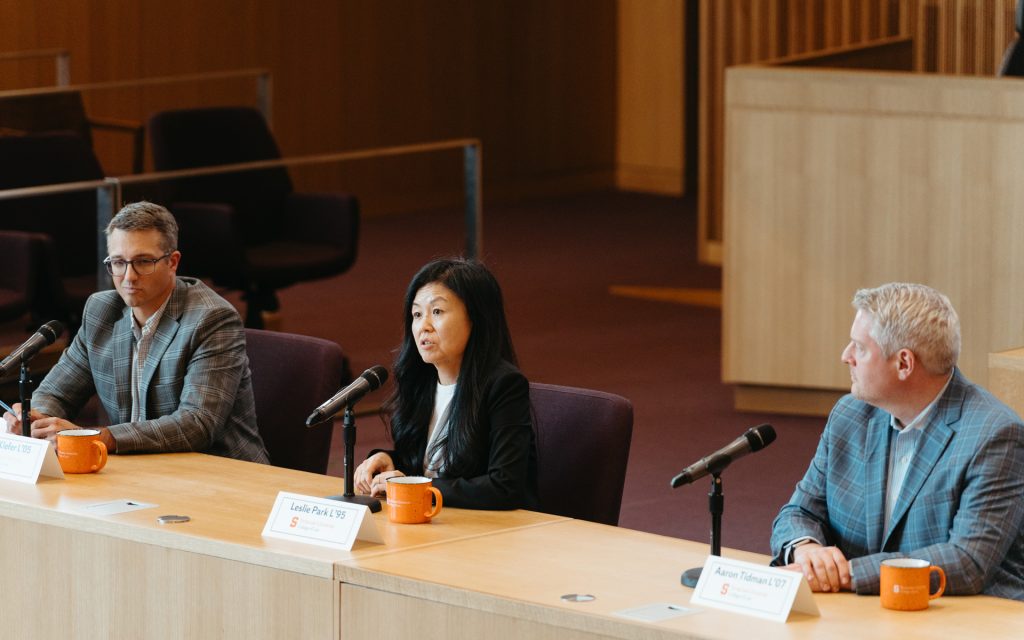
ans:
(789, 549)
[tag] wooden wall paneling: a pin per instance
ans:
(990, 52)
(925, 35)
(1000, 25)
(712, 64)
(948, 26)
(758, 42)
(972, 30)
(888, 17)
(705, 50)
(536, 81)
(26, 73)
(43, 25)
(853, 21)
(18, 32)
(1003, 26)
(650, 136)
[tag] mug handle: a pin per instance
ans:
(942, 581)
(103, 458)
(437, 504)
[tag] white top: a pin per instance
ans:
(433, 465)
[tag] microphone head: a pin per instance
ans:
(375, 376)
(760, 436)
(51, 331)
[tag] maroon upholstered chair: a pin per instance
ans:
(64, 110)
(18, 258)
(65, 272)
(583, 440)
(248, 230)
(291, 376)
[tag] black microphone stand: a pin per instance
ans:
(349, 432)
(25, 395)
(716, 504)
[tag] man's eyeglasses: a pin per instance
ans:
(142, 266)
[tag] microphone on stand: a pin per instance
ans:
(371, 380)
(755, 439)
(45, 336)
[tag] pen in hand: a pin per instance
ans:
(8, 408)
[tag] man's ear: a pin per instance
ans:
(906, 362)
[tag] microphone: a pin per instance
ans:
(755, 439)
(28, 349)
(371, 380)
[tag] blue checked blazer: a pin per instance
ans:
(195, 380)
(961, 506)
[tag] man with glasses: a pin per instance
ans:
(165, 354)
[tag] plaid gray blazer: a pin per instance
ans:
(195, 380)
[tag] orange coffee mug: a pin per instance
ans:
(412, 499)
(81, 450)
(906, 584)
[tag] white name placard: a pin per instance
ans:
(752, 589)
(24, 459)
(320, 521)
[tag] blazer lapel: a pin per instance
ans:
(875, 474)
(934, 439)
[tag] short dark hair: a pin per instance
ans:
(141, 216)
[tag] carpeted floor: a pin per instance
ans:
(557, 260)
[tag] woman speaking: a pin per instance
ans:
(460, 412)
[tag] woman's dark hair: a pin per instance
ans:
(412, 402)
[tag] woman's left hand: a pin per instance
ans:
(380, 482)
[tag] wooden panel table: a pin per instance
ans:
(508, 585)
(125, 576)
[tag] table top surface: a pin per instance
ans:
(525, 573)
(228, 502)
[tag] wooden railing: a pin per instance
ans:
(949, 36)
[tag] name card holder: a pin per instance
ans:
(24, 459)
(320, 521)
(753, 590)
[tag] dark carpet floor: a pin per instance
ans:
(556, 259)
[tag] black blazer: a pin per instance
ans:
(504, 471)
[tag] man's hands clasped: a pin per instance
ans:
(826, 568)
